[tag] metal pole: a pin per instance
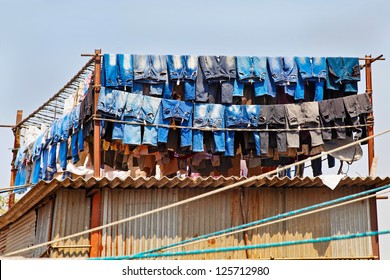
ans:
(96, 131)
(96, 236)
(371, 154)
(19, 116)
(370, 129)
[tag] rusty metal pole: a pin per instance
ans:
(371, 155)
(19, 116)
(96, 130)
(96, 236)
(370, 129)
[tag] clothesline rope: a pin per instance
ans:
(272, 220)
(257, 246)
(185, 201)
(234, 129)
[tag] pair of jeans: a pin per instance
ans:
(304, 115)
(332, 112)
(358, 107)
(176, 110)
(141, 109)
(117, 70)
(284, 72)
(272, 117)
(241, 116)
(184, 68)
(77, 144)
(111, 102)
(215, 81)
(343, 71)
(313, 70)
(150, 69)
(208, 116)
(253, 70)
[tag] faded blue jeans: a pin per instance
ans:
(183, 68)
(208, 116)
(343, 71)
(172, 110)
(241, 116)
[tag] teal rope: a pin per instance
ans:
(279, 216)
(248, 247)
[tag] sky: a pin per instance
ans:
(41, 42)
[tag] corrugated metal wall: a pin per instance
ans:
(44, 223)
(20, 235)
(72, 212)
(226, 210)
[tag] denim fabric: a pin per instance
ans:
(80, 140)
(357, 108)
(251, 69)
(64, 126)
(184, 68)
(37, 148)
(150, 69)
(176, 110)
(218, 68)
(63, 154)
(294, 119)
(107, 102)
(241, 116)
(132, 113)
(125, 65)
(313, 70)
(210, 116)
(311, 119)
(343, 71)
(150, 114)
(109, 71)
(201, 88)
(272, 116)
(284, 72)
(36, 172)
(44, 163)
(332, 113)
(53, 158)
(120, 104)
(75, 148)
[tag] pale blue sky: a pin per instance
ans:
(41, 42)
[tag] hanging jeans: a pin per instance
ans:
(284, 72)
(332, 112)
(253, 70)
(208, 116)
(184, 68)
(175, 110)
(272, 117)
(313, 70)
(125, 70)
(241, 116)
(109, 73)
(343, 71)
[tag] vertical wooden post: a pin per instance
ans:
(370, 129)
(371, 155)
(19, 115)
(96, 130)
(96, 236)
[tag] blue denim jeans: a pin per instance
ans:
(150, 69)
(125, 65)
(109, 71)
(284, 72)
(343, 71)
(313, 70)
(241, 116)
(150, 111)
(107, 102)
(210, 116)
(141, 109)
(172, 110)
(184, 68)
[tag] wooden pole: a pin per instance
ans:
(370, 129)
(96, 236)
(96, 131)
(371, 155)
(19, 116)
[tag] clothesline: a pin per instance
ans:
(232, 129)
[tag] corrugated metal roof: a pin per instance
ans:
(43, 188)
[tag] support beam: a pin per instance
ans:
(96, 130)
(96, 236)
(19, 117)
(370, 129)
